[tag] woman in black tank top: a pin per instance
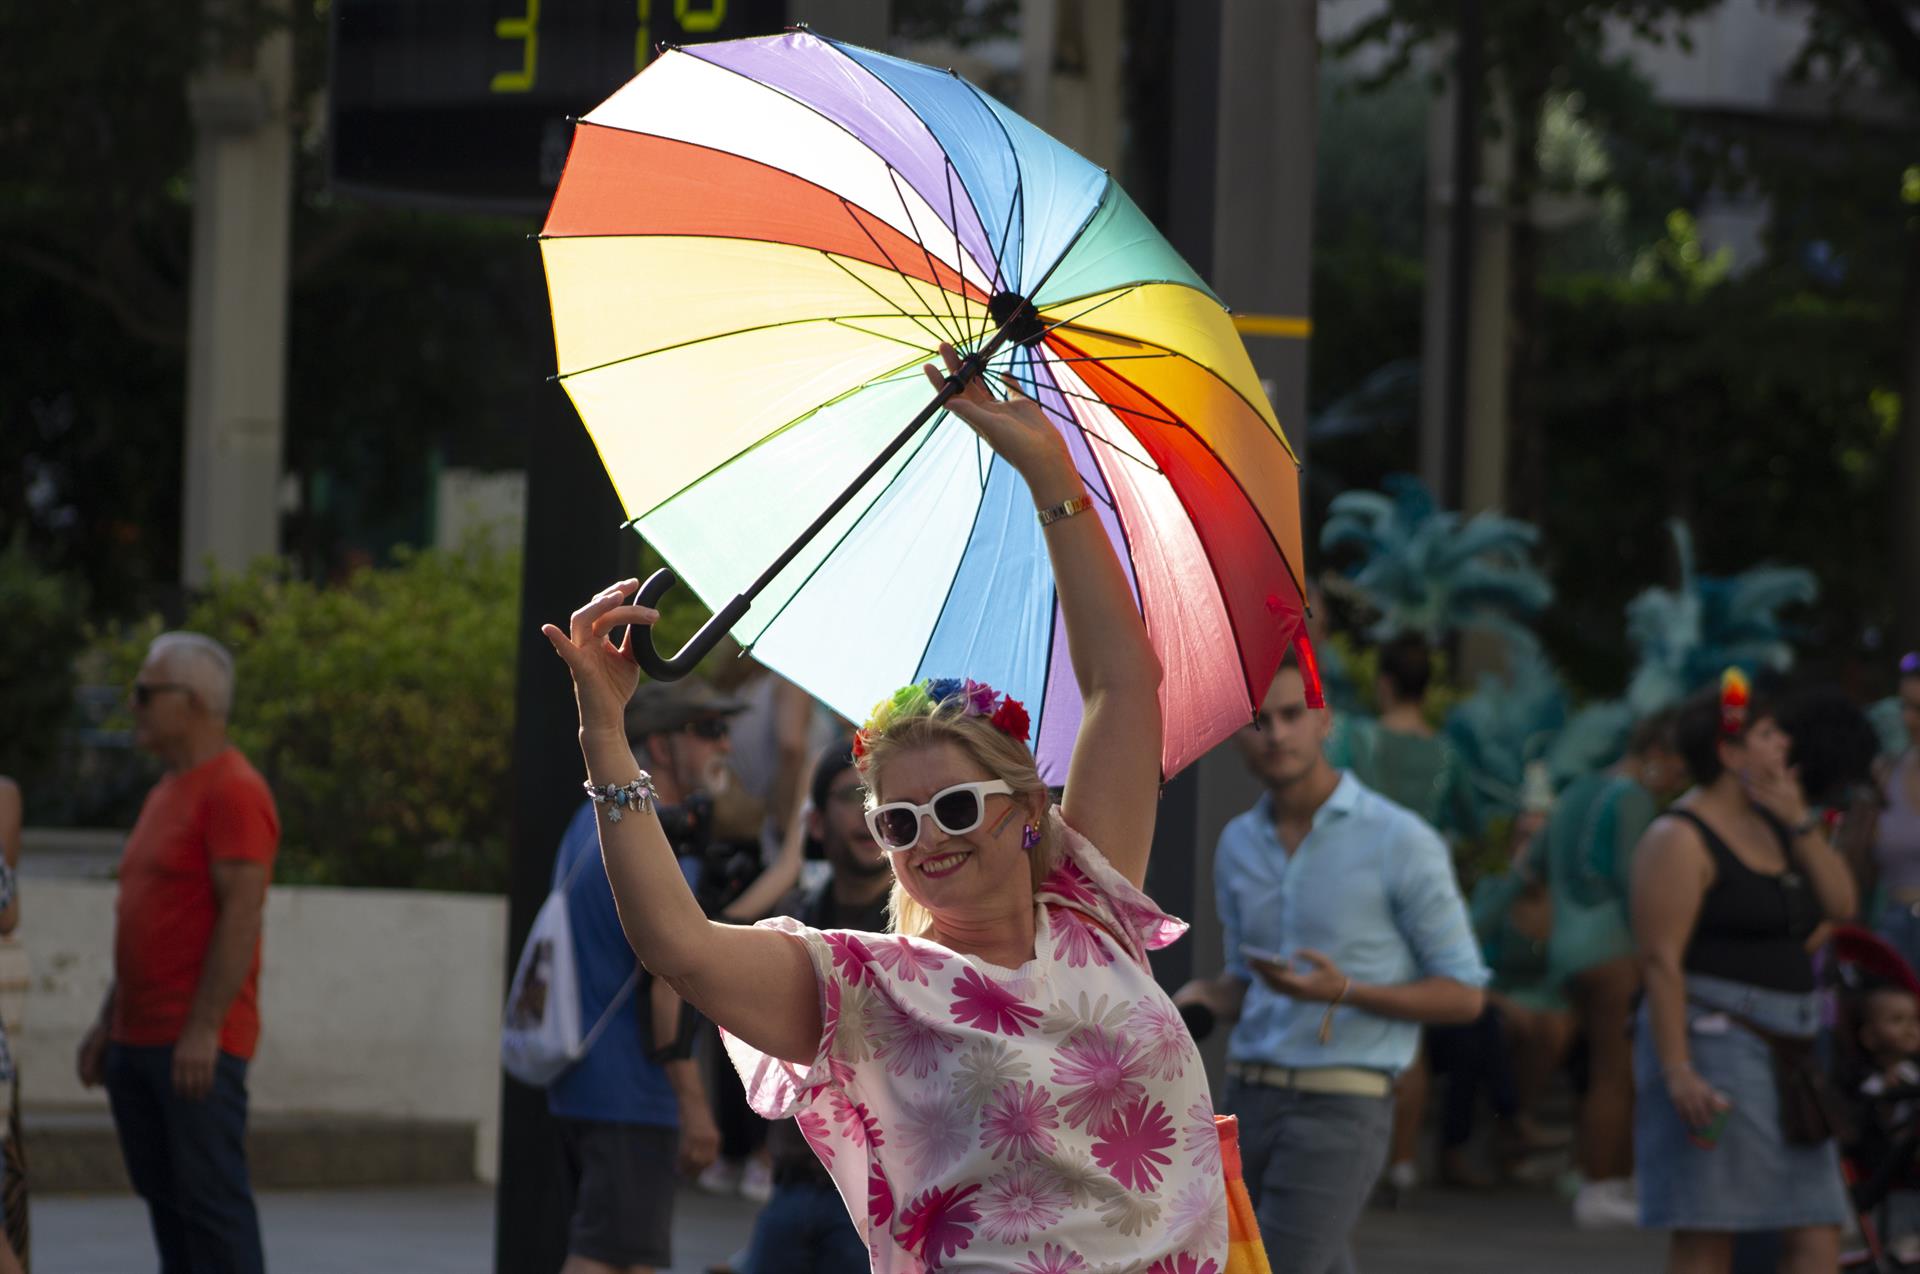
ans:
(1728, 889)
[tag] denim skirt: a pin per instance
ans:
(1751, 1179)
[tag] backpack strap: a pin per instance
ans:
(592, 1037)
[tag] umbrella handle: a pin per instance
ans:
(698, 647)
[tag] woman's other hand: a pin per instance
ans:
(1774, 786)
(1697, 1102)
(1017, 429)
(604, 675)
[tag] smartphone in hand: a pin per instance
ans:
(1249, 952)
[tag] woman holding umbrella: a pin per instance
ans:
(998, 1083)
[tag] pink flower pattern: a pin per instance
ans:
(908, 1044)
(939, 1223)
(1023, 1200)
(1130, 1143)
(1101, 1072)
(908, 961)
(879, 1196)
(1075, 940)
(983, 1003)
(851, 958)
(1051, 1259)
(1047, 1121)
(1164, 1042)
(813, 1126)
(1202, 1139)
(1183, 1263)
(1019, 1123)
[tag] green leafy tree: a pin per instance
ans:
(380, 709)
(1532, 52)
(43, 616)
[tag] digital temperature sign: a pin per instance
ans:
(465, 103)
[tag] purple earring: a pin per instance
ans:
(1029, 836)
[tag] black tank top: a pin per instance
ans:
(1753, 926)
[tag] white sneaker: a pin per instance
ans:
(722, 1176)
(756, 1182)
(1607, 1205)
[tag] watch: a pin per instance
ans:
(1808, 825)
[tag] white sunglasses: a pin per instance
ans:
(957, 810)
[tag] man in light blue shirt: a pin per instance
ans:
(1345, 931)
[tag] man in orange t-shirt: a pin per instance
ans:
(181, 1019)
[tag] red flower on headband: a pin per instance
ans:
(1011, 718)
(859, 744)
(1735, 694)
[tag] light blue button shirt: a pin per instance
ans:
(1372, 888)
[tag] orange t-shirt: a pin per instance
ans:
(221, 809)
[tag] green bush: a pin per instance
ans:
(380, 709)
(37, 647)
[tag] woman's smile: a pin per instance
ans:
(943, 864)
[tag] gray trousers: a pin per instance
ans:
(1310, 1161)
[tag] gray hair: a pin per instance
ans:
(200, 663)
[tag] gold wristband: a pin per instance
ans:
(1065, 509)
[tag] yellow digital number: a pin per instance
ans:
(525, 29)
(643, 38)
(698, 20)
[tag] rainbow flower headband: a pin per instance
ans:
(977, 699)
(1735, 696)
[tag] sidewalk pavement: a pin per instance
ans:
(449, 1230)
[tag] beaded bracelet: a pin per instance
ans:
(621, 797)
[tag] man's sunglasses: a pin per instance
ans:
(957, 810)
(144, 691)
(708, 728)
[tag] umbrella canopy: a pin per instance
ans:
(754, 247)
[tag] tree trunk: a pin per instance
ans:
(1903, 523)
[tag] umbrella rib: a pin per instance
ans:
(921, 660)
(1076, 317)
(738, 331)
(806, 105)
(1225, 468)
(882, 336)
(1213, 570)
(946, 297)
(932, 427)
(764, 439)
(953, 209)
(937, 335)
(1019, 171)
(907, 278)
(1073, 422)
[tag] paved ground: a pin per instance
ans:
(450, 1231)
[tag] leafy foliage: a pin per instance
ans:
(1427, 571)
(380, 710)
(43, 612)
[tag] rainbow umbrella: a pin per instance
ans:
(755, 246)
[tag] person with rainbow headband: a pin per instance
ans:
(1728, 887)
(997, 1081)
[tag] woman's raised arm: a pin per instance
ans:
(1113, 780)
(756, 983)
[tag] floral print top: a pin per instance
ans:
(1050, 1119)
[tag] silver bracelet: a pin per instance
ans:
(621, 797)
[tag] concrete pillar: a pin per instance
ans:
(1483, 468)
(237, 311)
(1241, 209)
(1070, 74)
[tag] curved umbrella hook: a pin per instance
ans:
(700, 645)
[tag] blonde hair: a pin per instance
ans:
(999, 753)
